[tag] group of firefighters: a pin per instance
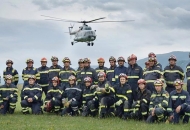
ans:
(125, 92)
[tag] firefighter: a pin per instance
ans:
(71, 98)
(157, 64)
(54, 69)
(135, 73)
(65, 72)
(123, 97)
(8, 96)
(42, 75)
(31, 96)
(101, 67)
(188, 77)
(90, 105)
(88, 71)
(179, 103)
(151, 74)
(141, 105)
(11, 71)
(53, 98)
(28, 71)
(171, 73)
(158, 103)
(110, 71)
(146, 66)
(105, 96)
(120, 69)
(78, 72)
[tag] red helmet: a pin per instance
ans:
(151, 54)
(43, 59)
(80, 61)
(87, 79)
(101, 74)
(172, 57)
(133, 57)
(141, 81)
(101, 60)
(112, 59)
(54, 58)
(9, 61)
(72, 77)
(121, 59)
(122, 75)
(29, 60)
(55, 79)
(177, 82)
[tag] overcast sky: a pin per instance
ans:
(160, 26)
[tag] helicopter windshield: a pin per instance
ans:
(87, 28)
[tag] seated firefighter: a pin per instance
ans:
(179, 103)
(8, 96)
(90, 104)
(158, 103)
(141, 105)
(104, 96)
(71, 98)
(31, 96)
(123, 97)
(53, 97)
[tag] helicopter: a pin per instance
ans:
(85, 33)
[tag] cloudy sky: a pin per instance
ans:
(160, 26)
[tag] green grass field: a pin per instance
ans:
(18, 121)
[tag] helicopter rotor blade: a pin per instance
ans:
(113, 21)
(63, 20)
(58, 19)
(95, 20)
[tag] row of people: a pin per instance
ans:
(102, 99)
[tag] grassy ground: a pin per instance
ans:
(53, 122)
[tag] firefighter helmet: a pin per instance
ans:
(8, 77)
(112, 59)
(81, 61)
(87, 79)
(178, 82)
(9, 61)
(158, 82)
(141, 81)
(101, 60)
(151, 54)
(152, 59)
(121, 59)
(172, 57)
(66, 59)
(29, 60)
(55, 79)
(101, 74)
(122, 75)
(54, 58)
(87, 60)
(133, 57)
(43, 59)
(72, 77)
(32, 77)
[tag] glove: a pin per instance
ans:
(118, 103)
(67, 104)
(107, 86)
(93, 86)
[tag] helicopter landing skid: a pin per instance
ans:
(90, 43)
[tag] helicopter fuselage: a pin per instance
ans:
(85, 36)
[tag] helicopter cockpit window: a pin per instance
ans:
(87, 28)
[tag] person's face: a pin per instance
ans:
(158, 88)
(43, 63)
(141, 86)
(178, 87)
(66, 64)
(132, 61)
(9, 65)
(147, 66)
(8, 81)
(112, 63)
(54, 63)
(121, 63)
(30, 64)
(172, 62)
(101, 78)
(87, 84)
(151, 63)
(86, 64)
(54, 83)
(71, 82)
(122, 80)
(31, 81)
(81, 65)
(101, 63)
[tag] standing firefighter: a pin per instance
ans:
(54, 69)
(66, 72)
(157, 64)
(53, 97)
(151, 74)
(110, 71)
(120, 69)
(188, 76)
(42, 75)
(141, 105)
(78, 72)
(71, 98)
(179, 103)
(31, 96)
(8, 96)
(158, 103)
(135, 73)
(101, 67)
(11, 71)
(105, 95)
(89, 102)
(28, 71)
(123, 97)
(171, 73)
